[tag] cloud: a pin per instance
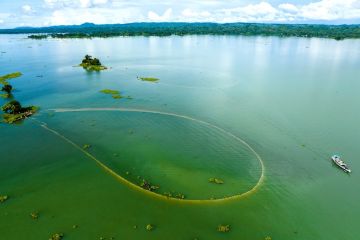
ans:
(152, 16)
(27, 9)
(74, 3)
(69, 16)
(262, 11)
(54, 12)
(287, 7)
(205, 10)
(189, 13)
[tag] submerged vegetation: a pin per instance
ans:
(337, 32)
(92, 64)
(148, 79)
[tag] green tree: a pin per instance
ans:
(12, 107)
(7, 88)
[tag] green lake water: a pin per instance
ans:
(294, 101)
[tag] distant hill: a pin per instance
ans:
(88, 30)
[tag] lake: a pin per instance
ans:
(262, 115)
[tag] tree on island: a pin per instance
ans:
(91, 61)
(7, 88)
(12, 107)
(92, 64)
(14, 112)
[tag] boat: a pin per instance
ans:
(337, 160)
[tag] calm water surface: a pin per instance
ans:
(294, 100)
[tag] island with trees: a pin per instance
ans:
(13, 111)
(6, 87)
(92, 64)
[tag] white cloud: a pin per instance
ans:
(287, 7)
(69, 16)
(323, 10)
(27, 9)
(152, 16)
(99, 2)
(189, 13)
(74, 3)
(262, 11)
(54, 12)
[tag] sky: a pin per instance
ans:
(17, 13)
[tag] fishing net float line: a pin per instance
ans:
(147, 192)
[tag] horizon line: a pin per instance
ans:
(219, 23)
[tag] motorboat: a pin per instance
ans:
(337, 160)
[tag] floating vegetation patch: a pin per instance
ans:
(149, 227)
(148, 186)
(92, 64)
(114, 93)
(216, 181)
(14, 112)
(148, 79)
(223, 228)
(5, 95)
(174, 195)
(57, 236)
(86, 146)
(4, 198)
(9, 76)
(34, 215)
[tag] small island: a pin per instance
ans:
(38, 36)
(3, 79)
(114, 93)
(14, 112)
(148, 79)
(92, 64)
(7, 88)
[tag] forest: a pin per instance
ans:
(90, 30)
